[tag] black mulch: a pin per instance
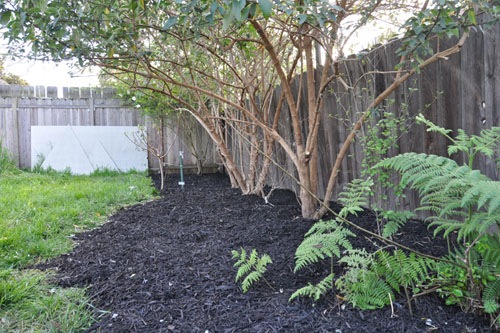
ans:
(165, 266)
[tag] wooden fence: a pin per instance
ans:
(22, 107)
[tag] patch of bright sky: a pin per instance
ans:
(48, 73)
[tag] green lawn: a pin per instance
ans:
(38, 214)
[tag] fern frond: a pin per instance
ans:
(462, 142)
(356, 258)
(370, 280)
(383, 265)
(240, 256)
(491, 294)
(247, 282)
(483, 193)
(251, 268)
(480, 222)
(364, 289)
(401, 270)
(431, 127)
(488, 142)
(355, 196)
(489, 248)
(261, 265)
(318, 246)
(453, 181)
(315, 291)
(449, 191)
(445, 225)
(395, 221)
(418, 169)
(247, 265)
(322, 227)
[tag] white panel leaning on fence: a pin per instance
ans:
(85, 149)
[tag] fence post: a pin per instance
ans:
(15, 131)
(91, 109)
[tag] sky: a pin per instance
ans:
(39, 73)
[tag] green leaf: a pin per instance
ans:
(227, 20)
(266, 6)
(5, 18)
(302, 18)
(472, 16)
(170, 22)
(237, 8)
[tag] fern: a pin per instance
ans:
(401, 270)
(251, 268)
(487, 143)
(484, 193)
(491, 295)
(315, 291)
(364, 289)
(489, 249)
(464, 201)
(325, 239)
(371, 280)
(394, 221)
(356, 259)
(355, 196)
(450, 191)
(431, 127)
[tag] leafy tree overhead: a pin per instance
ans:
(220, 61)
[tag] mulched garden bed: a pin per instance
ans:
(165, 266)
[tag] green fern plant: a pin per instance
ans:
(462, 201)
(371, 279)
(355, 196)
(449, 192)
(315, 291)
(490, 296)
(359, 285)
(486, 143)
(394, 220)
(325, 240)
(251, 268)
